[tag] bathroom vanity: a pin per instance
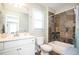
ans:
(18, 46)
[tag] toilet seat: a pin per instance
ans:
(46, 48)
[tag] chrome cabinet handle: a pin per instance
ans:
(19, 48)
(32, 40)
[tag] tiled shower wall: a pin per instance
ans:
(65, 24)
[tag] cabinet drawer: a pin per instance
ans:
(1, 46)
(17, 43)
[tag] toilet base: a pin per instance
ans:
(44, 53)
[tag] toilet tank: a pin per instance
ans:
(40, 40)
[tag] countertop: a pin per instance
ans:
(11, 38)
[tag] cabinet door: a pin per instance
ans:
(9, 52)
(27, 49)
(1, 46)
(15, 43)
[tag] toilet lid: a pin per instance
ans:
(46, 47)
(40, 40)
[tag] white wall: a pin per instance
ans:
(51, 10)
(65, 8)
(23, 22)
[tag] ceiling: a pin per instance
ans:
(60, 7)
(55, 7)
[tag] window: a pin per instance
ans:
(38, 19)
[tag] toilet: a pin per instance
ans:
(45, 49)
(40, 46)
(39, 42)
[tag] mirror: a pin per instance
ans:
(16, 23)
(12, 22)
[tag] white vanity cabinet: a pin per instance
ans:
(24, 46)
